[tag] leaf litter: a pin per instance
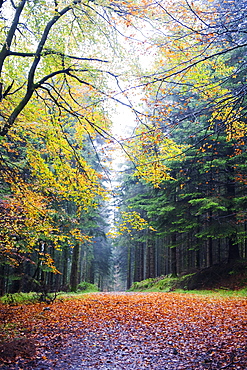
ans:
(110, 331)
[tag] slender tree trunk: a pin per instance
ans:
(210, 240)
(129, 270)
(198, 264)
(50, 275)
(233, 248)
(91, 272)
(74, 267)
(174, 255)
(145, 251)
(210, 252)
(245, 242)
(65, 266)
(17, 285)
(233, 253)
(43, 273)
(178, 264)
(2, 280)
(198, 249)
(151, 259)
(137, 264)
(167, 265)
(142, 247)
(58, 283)
(219, 251)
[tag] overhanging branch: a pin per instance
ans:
(53, 52)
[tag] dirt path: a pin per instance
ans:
(137, 331)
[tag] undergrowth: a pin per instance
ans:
(171, 284)
(229, 279)
(16, 299)
(19, 298)
(87, 287)
(162, 283)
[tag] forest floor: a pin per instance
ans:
(111, 331)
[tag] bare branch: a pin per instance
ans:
(6, 47)
(52, 52)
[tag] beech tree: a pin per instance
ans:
(52, 85)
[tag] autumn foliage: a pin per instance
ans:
(131, 331)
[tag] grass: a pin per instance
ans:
(19, 298)
(173, 284)
(216, 292)
(228, 279)
(16, 299)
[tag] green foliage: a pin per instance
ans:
(168, 284)
(216, 293)
(207, 204)
(86, 287)
(230, 276)
(162, 283)
(16, 299)
(142, 285)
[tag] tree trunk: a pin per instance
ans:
(210, 252)
(129, 280)
(233, 248)
(74, 267)
(2, 280)
(210, 240)
(233, 253)
(151, 259)
(138, 264)
(17, 285)
(65, 266)
(174, 255)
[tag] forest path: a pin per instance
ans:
(111, 331)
